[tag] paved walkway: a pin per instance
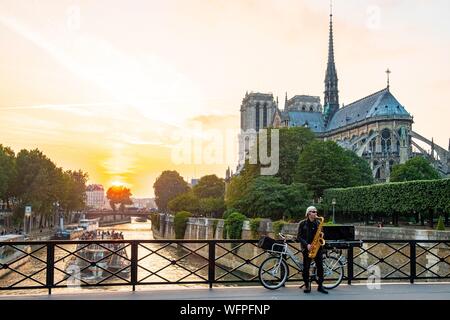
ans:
(428, 291)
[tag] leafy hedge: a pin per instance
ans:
(254, 226)
(400, 198)
(278, 226)
(180, 221)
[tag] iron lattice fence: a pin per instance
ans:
(107, 263)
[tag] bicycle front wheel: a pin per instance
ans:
(273, 273)
(333, 272)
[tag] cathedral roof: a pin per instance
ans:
(313, 120)
(379, 104)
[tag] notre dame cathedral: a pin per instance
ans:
(377, 127)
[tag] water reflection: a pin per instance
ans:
(149, 263)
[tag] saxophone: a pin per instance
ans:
(318, 240)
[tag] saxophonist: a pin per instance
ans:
(306, 231)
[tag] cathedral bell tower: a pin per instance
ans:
(331, 100)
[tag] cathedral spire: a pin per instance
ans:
(388, 72)
(331, 100)
(285, 102)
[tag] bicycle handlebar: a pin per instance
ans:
(285, 237)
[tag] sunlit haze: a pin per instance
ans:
(110, 87)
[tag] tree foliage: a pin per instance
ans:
(167, 186)
(269, 198)
(185, 202)
(180, 223)
(31, 178)
(210, 187)
(238, 188)
(417, 168)
(324, 165)
(292, 143)
(362, 174)
(233, 225)
(212, 207)
(7, 173)
(119, 195)
(278, 226)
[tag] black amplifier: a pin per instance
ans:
(341, 233)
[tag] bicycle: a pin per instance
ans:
(274, 271)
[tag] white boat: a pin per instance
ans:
(89, 224)
(70, 233)
(12, 256)
(94, 262)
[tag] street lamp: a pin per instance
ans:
(58, 215)
(28, 211)
(333, 202)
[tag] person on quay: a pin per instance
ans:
(306, 231)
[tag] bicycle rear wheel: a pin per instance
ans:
(273, 273)
(333, 272)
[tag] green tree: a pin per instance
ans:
(212, 207)
(233, 225)
(239, 186)
(167, 186)
(119, 195)
(324, 165)
(38, 183)
(417, 168)
(269, 198)
(74, 197)
(180, 223)
(210, 187)
(185, 202)
(7, 174)
(362, 174)
(292, 143)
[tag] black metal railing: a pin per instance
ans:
(108, 263)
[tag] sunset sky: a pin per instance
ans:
(110, 86)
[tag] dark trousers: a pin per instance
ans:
(307, 263)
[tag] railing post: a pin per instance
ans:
(50, 267)
(412, 261)
(211, 263)
(350, 265)
(134, 263)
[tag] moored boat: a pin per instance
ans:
(96, 262)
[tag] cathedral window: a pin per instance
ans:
(265, 116)
(377, 174)
(257, 117)
(391, 165)
(386, 141)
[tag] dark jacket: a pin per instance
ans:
(306, 232)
